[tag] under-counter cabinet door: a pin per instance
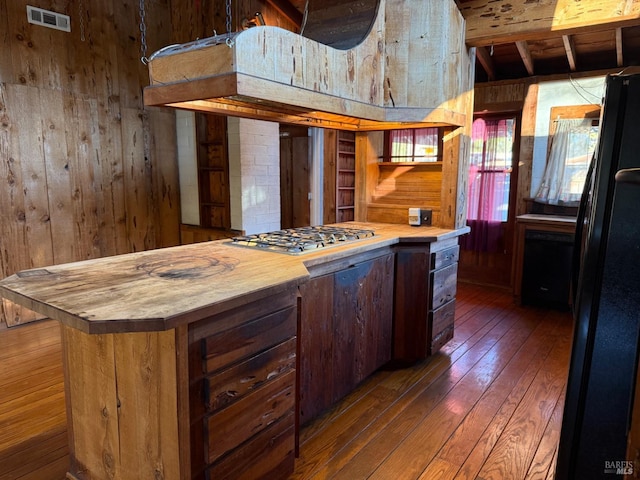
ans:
(316, 346)
(363, 318)
(411, 309)
(345, 331)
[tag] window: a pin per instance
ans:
(573, 142)
(413, 145)
(490, 169)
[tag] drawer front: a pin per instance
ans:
(231, 426)
(247, 339)
(440, 339)
(445, 257)
(443, 283)
(231, 384)
(442, 318)
(251, 460)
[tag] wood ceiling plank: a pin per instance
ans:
(503, 21)
(486, 60)
(288, 10)
(525, 54)
(571, 51)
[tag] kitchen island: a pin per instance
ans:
(194, 361)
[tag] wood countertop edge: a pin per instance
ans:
(546, 219)
(298, 266)
(151, 324)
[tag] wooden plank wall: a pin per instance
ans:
(85, 170)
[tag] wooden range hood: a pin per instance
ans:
(411, 69)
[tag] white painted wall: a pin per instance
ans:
(254, 174)
(316, 184)
(187, 167)
(581, 91)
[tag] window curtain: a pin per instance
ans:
(568, 162)
(414, 145)
(489, 175)
(401, 145)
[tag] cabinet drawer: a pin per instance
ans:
(444, 282)
(247, 339)
(269, 454)
(231, 426)
(445, 257)
(231, 384)
(442, 318)
(440, 339)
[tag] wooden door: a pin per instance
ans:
(492, 266)
(294, 176)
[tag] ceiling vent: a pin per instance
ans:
(46, 18)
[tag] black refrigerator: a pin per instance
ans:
(606, 297)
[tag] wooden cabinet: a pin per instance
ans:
(553, 224)
(424, 302)
(242, 370)
(345, 330)
(213, 171)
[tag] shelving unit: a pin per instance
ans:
(213, 171)
(345, 176)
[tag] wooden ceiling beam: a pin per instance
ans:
(486, 60)
(571, 51)
(507, 21)
(286, 8)
(619, 55)
(525, 54)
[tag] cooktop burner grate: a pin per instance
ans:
(303, 239)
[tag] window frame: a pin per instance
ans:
(387, 158)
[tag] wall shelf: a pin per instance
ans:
(345, 176)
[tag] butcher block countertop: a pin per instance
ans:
(160, 289)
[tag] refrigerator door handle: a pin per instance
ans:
(628, 175)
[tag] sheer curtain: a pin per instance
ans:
(414, 145)
(489, 178)
(569, 156)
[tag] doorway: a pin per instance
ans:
(486, 254)
(294, 176)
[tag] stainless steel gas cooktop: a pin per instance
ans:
(303, 239)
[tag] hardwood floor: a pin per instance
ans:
(487, 407)
(33, 424)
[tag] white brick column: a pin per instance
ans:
(254, 174)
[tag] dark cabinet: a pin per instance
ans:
(213, 171)
(345, 331)
(546, 268)
(424, 300)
